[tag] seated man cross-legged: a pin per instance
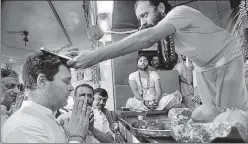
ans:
(146, 88)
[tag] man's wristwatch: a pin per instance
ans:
(76, 139)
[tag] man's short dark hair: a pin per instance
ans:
(139, 56)
(155, 56)
(102, 92)
(8, 73)
(156, 3)
(40, 63)
(83, 85)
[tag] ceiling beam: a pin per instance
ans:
(61, 25)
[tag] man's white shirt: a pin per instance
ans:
(32, 123)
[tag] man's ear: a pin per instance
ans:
(161, 8)
(42, 81)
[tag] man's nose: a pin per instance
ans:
(71, 88)
(16, 91)
(101, 102)
(143, 23)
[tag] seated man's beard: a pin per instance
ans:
(101, 106)
(156, 65)
(143, 69)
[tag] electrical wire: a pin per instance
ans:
(218, 12)
(125, 32)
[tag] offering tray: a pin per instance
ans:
(153, 132)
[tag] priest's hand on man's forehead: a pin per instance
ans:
(82, 60)
(72, 54)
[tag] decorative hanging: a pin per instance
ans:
(166, 53)
(240, 28)
(172, 52)
(94, 32)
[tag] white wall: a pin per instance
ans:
(106, 76)
(107, 82)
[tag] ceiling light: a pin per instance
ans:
(105, 6)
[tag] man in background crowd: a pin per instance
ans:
(47, 80)
(154, 63)
(83, 90)
(10, 86)
(101, 131)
